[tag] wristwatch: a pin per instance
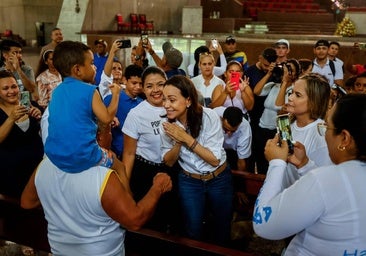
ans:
(137, 57)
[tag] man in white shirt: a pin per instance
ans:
(324, 66)
(237, 136)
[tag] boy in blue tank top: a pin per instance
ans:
(74, 111)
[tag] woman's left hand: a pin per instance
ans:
(175, 132)
(35, 112)
(243, 83)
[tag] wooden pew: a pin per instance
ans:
(29, 227)
(25, 227)
(148, 242)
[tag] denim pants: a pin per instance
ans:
(217, 194)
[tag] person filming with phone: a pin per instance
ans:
(21, 147)
(236, 92)
(325, 209)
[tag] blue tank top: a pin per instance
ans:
(71, 144)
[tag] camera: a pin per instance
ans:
(277, 71)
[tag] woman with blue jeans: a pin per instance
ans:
(192, 135)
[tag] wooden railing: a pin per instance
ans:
(29, 227)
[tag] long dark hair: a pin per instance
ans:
(195, 111)
(350, 115)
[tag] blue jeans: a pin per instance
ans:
(217, 194)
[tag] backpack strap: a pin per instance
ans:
(332, 67)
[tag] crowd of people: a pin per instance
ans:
(152, 145)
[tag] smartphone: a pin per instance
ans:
(144, 40)
(125, 43)
(235, 78)
(284, 130)
(25, 99)
(214, 43)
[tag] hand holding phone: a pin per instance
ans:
(125, 43)
(235, 79)
(284, 130)
(214, 43)
(25, 99)
(144, 40)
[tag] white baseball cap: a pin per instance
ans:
(283, 41)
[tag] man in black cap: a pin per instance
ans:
(232, 53)
(100, 57)
(324, 66)
(260, 72)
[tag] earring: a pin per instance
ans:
(341, 148)
(188, 106)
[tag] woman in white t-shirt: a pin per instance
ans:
(326, 208)
(141, 154)
(193, 69)
(206, 82)
(238, 95)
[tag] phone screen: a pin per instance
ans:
(235, 78)
(25, 99)
(284, 130)
(144, 40)
(214, 43)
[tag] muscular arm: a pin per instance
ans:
(29, 198)
(120, 206)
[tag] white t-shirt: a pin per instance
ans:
(210, 137)
(206, 90)
(143, 124)
(325, 209)
(77, 222)
(218, 71)
(327, 72)
(269, 115)
(103, 87)
(316, 150)
(240, 140)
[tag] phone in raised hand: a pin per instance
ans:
(25, 99)
(284, 130)
(235, 79)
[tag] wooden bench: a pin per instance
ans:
(29, 227)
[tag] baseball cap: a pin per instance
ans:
(284, 42)
(174, 57)
(100, 41)
(166, 46)
(230, 39)
(269, 54)
(321, 42)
